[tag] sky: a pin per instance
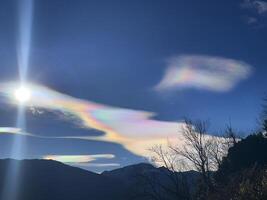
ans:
(109, 79)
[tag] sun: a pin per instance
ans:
(22, 94)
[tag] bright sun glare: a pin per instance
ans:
(22, 94)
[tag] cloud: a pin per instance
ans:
(83, 160)
(203, 72)
(98, 165)
(258, 12)
(13, 130)
(259, 6)
(251, 20)
(135, 130)
(78, 158)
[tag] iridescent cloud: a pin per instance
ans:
(78, 158)
(98, 165)
(203, 72)
(135, 130)
(83, 160)
(13, 130)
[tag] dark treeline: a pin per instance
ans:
(228, 167)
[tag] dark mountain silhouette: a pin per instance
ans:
(143, 179)
(52, 180)
(128, 173)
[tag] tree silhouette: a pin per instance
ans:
(243, 175)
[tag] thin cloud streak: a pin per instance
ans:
(203, 72)
(78, 158)
(98, 165)
(13, 130)
(83, 161)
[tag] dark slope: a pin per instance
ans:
(51, 180)
(139, 178)
(127, 173)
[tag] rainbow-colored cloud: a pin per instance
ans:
(204, 72)
(134, 129)
(78, 158)
(84, 161)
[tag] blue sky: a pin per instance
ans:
(116, 52)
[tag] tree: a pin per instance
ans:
(199, 151)
(245, 154)
(178, 187)
(243, 173)
(204, 152)
(264, 117)
(166, 182)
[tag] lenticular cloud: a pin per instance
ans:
(204, 72)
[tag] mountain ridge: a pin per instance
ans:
(48, 179)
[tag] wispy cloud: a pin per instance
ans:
(98, 165)
(258, 12)
(203, 72)
(10, 130)
(84, 161)
(251, 20)
(259, 6)
(13, 130)
(78, 158)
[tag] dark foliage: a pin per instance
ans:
(243, 173)
(245, 154)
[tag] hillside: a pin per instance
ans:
(47, 179)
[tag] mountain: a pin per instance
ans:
(128, 173)
(52, 180)
(144, 179)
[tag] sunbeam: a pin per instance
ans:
(22, 94)
(24, 37)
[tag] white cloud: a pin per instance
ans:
(251, 20)
(13, 130)
(203, 72)
(259, 6)
(258, 12)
